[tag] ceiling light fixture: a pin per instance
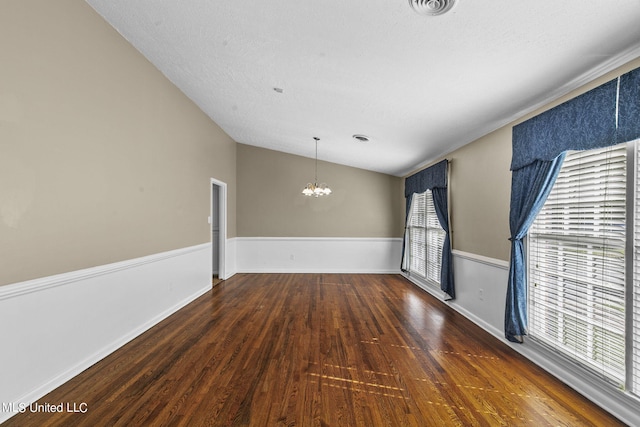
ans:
(431, 7)
(315, 189)
(361, 138)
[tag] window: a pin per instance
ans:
(581, 297)
(426, 238)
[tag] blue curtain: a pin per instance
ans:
(604, 116)
(530, 187)
(441, 206)
(434, 178)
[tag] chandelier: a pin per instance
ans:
(315, 189)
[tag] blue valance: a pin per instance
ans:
(585, 122)
(427, 179)
(629, 107)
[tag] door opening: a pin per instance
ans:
(217, 220)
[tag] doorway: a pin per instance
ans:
(218, 230)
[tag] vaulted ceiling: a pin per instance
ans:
(276, 73)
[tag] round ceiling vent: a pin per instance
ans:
(431, 7)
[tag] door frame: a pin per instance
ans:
(222, 218)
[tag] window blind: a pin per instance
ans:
(426, 238)
(577, 263)
(435, 240)
(635, 304)
(418, 235)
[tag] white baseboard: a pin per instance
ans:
(56, 327)
(318, 255)
(481, 289)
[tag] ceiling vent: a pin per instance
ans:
(431, 7)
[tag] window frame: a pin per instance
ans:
(429, 223)
(631, 374)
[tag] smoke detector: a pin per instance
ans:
(431, 7)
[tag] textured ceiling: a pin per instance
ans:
(418, 86)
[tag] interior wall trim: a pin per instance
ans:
(40, 284)
(320, 239)
(481, 258)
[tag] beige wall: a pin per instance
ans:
(480, 190)
(102, 159)
(480, 182)
(270, 203)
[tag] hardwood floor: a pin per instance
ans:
(316, 350)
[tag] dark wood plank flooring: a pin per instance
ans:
(316, 350)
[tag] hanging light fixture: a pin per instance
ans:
(315, 189)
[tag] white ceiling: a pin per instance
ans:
(418, 86)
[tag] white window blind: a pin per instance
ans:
(635, 303)
(426, 238)
(417, 235)
(577, 263)
(435, 240)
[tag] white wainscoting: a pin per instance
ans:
(481, 289)
(55, 327)
(318, 255)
